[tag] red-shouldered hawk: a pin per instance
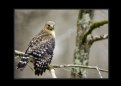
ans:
(41, 47)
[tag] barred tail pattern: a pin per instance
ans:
(23, 62)
(41, 65)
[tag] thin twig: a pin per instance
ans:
(30, 67)
(53, 73)
(82, 66)
(93, 39)
(19, 53)
(101, 37)
(99, 72)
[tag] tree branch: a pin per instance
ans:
(53, 73)
(96, 25)
(101, 37)
(19, 53)
(92, 27)
(52, 67)
(81, 66)
(99, 72)
(93, 39)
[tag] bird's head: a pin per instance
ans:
(49, 27)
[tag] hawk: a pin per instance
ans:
(41, 48)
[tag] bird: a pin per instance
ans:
(41, 48)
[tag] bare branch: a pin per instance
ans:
(52, 67)
(99, 72)
(19, 53)
(82, 66)
(101, 37)
(53, 73)
(96, 25)
(93, 39)
(92, 27)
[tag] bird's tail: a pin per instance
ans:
(41, 65)
(23, 62)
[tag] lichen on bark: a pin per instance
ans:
(81, 53)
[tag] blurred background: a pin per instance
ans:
(27, 23)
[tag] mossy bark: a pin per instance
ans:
(81, 53)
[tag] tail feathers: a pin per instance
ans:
(40, 66)
(22, 63)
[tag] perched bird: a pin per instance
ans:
(41, 48)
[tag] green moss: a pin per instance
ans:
(98, 24)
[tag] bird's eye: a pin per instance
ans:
(48, 25)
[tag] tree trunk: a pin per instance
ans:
(81, 53)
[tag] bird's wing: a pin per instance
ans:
(40, 45)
